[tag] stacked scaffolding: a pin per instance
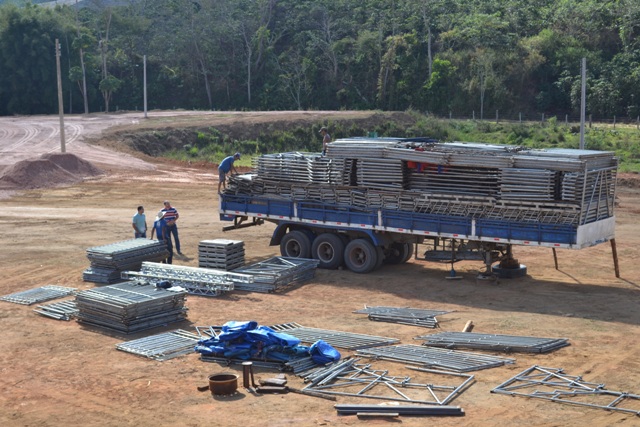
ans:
(108, 261)
(277, 273)
(130, 307)
(221, 254)
(483, 181)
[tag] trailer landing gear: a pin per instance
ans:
(452, 274)
(509, 267)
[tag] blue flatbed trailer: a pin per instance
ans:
(370, 201)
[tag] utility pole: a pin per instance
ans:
(60, 103)
(583, 101)
(144, 78)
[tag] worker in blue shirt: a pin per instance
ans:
(224, 168)
(161, 230)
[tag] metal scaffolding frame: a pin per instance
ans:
(403, 315)
(346, 340)
(362, 380)
(40, 294)
(163, 346)
(555, 385)
(493, 342)
(432, 357)
(61, 310)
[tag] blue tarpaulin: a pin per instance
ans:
(248, 340)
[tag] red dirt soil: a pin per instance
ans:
(51, 170)
(56, 373)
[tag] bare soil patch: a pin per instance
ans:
(56, 373)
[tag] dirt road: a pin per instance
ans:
(55, 373)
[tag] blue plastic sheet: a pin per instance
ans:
(248, 340)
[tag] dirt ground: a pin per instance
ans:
(55, 373)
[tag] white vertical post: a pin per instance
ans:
(144, 84)
(60, 102)
(583, 101)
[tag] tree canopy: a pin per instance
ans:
(439, 56)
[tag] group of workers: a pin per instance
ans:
(164, 225)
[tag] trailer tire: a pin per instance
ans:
(360, 256)
(328, 248)
(400, 253)
(380, 257)
(295, 244)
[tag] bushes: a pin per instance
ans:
(212, 144)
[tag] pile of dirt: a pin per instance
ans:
(50, 170)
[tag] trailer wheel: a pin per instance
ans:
(379, 257)
(360, 256)
(399, 253)
(295, 244)
(328, 248)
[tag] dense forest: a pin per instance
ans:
(438, 56)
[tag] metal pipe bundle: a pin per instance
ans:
(62, 310)
(40, 294)
(457, 361)
(494, 342)
(403, 315)
(346, 340)
(163, 346)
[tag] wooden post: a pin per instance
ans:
(614, 252)
(468, 327)
(555, 258)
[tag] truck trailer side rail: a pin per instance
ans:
(324, 215)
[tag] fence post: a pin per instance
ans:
(497, 116)
(614, 122)
(638, 123)
(473, 114)
(542, 121)
(520, 117)
(449, 115)
(590, 122)
(566, 120)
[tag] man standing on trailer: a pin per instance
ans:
(224, 168)
(326, 138)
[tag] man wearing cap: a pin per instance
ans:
(326, 138)
(161, 230)
(171, 215)
(224, 168)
